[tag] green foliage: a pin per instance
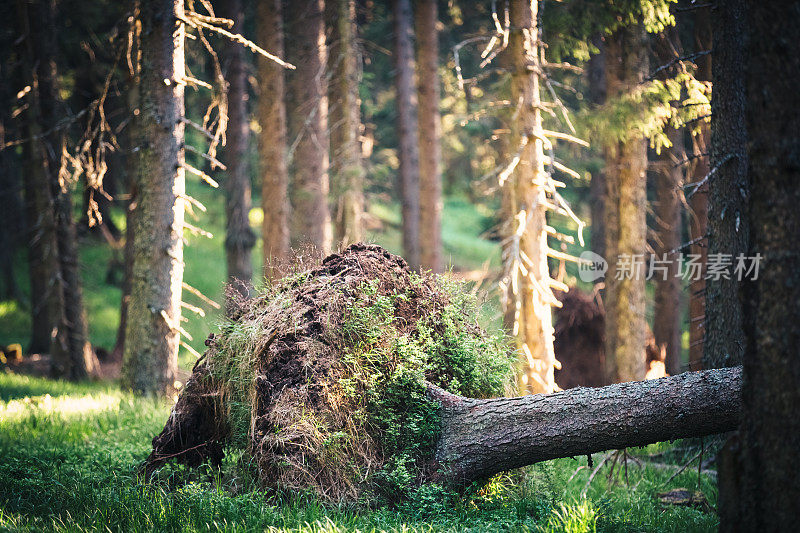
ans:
(389, 370)
(648, 110)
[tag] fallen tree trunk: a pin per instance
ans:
(481, 438)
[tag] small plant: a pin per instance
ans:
(579, 517)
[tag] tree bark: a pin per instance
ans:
(407, 129)
(596, 79)
(11, 234)
(311, 220)
(626, 164)
(430, 132)
(125, 297)
(667, 231)
(698, 203)
(239, 238)
(272, 141)
(533, 326)
(56, 256)
(769, 488)
(668, 290)
(131, 161)
(481, 438)
(728, 226)
(154, 310)
(347, 170)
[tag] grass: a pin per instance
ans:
(69, 452)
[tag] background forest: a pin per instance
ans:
(164, 161)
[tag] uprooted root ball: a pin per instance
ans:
(321, 380)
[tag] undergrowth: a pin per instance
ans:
(388, 365)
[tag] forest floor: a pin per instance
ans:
(69, 455)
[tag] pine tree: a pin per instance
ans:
(154, 311)
(430, 130)
(239, 238)
(626, 164)
(728, 188)
(308, 124)
(668, 178)
(53, 246)
(407, 129)
(272, 140)
(759, 486)
(533, 319)
(347, 170)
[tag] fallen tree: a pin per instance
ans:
(481, 438)
(359, 376)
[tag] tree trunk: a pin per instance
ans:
(481, 438)
(56, 256)
(667, 231)
(154, 310)
(125, 297)
(596, 80)
(46, 303)
(309, 124)
(407, 129)
(728, 226)
(132, 105)
(272, 141)
(769, 488)
(668, 290)
(430, 132)
(526, 251)
(239, 238)
(347, 171)
(698, 203)
(626, 163)
(74, 359)
(11, 205)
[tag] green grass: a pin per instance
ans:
(69, 453)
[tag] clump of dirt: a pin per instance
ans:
(579, 343)
(320, 381)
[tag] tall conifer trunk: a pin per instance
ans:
(55, 255)
(759, 486)
(728, 188)
(430, 131)
(667, 228)
(347, 171)
(533, 318)
(698, 203)
(626, 164)
(308, 120)
(272, 140)
(596, 78)
(157, 162)
(239, 238)
(407, 129)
